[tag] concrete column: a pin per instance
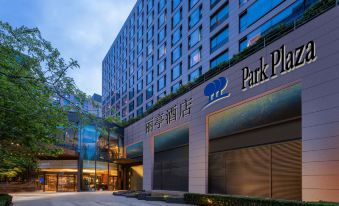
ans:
(148, 162)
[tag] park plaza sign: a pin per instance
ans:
(283, 62)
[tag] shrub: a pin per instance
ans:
(5, 200)
(229, 200)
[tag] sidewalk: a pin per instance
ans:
(80, 198)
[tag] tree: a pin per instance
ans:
(32, 73)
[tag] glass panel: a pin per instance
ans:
(256, 11)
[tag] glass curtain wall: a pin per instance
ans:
(98, 148)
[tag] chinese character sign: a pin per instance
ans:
(172, 114)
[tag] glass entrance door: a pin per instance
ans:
(67, 183)
(51, 182)
(113, 183)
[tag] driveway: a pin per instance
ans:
(80, 199)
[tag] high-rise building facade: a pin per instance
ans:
(263, 124)
(167, 43)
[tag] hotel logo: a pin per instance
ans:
(216, 91)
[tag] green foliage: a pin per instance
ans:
(32, 73)
(229, 200)
(5, 200)
(318, 9)
(270, 36)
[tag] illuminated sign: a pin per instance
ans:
(282, 63)
(216, 91)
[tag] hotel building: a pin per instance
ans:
(265, 123)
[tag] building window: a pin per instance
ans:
(176, 86)
(150, 5)
(195, 57)
(131, 116)
(139, 20)
(124, 89)
(162, 83)
(149, 78)
(140, 6)
(131, 45)
(149, 63)
(161, 66)
(131, 57)
(176, 36)
(161, 5)
(131, 69)
(192, 3)
(176, 71)
(175, 4)
(149, 105)
(194, 38)
(149, 92)
(219, 39)
(131, 81)
(131, 106)
(161, 34)
(117, 106)
(150, 48)
(288, 14)
(139, 73)
(124, 101)
(139, 111)
(219, 17)
(162, 50)
(139, 60)
(140, 100)
(150, 18)
(254, 12)
(176, 54)
(162, 19)
(194, 75)
(139, 86)
(124, 112)
(139, 47)
(176, 18)
(131, 94)
(150, 33)
(140, 32)
(195, 17)
(220, 58)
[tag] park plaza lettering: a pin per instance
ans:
(282, 63)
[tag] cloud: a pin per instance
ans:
(81, 29)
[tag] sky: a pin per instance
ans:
(81, 29)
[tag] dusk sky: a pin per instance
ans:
(81, 29)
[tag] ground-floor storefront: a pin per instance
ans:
(70, 176)
(265, 127)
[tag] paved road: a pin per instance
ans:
(80, 199)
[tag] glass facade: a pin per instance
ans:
(87, 162)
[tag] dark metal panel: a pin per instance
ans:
(286, 171)
(134, 151)
(275, 107)
(271, 134)
(172, 139)
(171, 169)
(268, 171)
